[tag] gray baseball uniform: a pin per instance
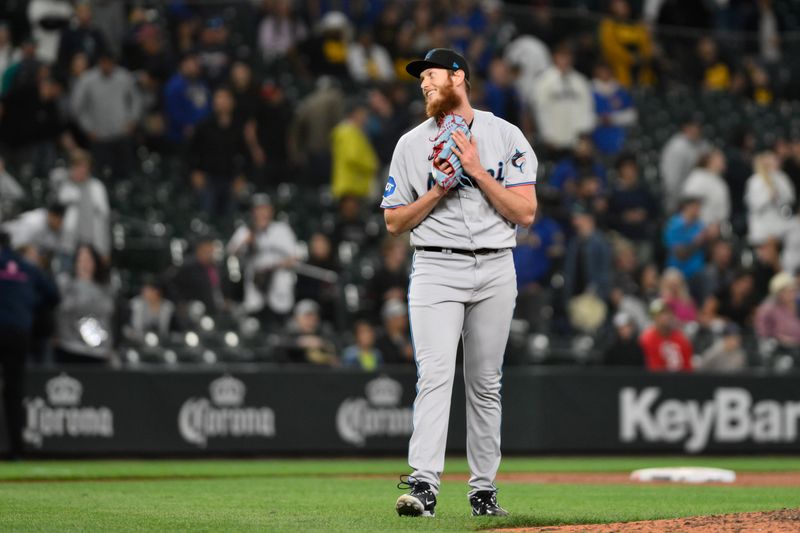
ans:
(452, 294)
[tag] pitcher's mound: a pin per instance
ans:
(783, 521)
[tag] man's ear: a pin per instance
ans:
(459, 78)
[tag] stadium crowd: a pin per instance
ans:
(246, 142)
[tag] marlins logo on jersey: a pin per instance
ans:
(518, 160)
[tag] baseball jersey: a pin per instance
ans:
(672, 353)
(464, 218)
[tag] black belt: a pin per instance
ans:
(479, 251)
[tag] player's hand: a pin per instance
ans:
(467, 152)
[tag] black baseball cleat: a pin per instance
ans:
(484, 503)
(420, 501)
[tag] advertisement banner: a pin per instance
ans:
(262, 410)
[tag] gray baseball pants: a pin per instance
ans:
(472, 297)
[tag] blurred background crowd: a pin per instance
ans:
(199, 181)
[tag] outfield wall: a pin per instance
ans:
(258, 410)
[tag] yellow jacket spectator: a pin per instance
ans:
(626, 46)
(354, 159)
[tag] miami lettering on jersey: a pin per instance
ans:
(467, 180)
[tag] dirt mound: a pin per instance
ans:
(783, 521)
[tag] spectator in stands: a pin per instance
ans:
(187, 100)
(563, 103)
(325, 291)
(368, 61)
(23, 73)
(615, 111)
(767, 264)
(686, 237)
(273, 118)
(739, 167)
(84, 318)
(269, 248)
(32, 124)
(87, 215)
(709, 71)
(107, 105)
(350, 224)
(213, 51)
(706, 183)
(678, 158)
(10, 192)
(39, 228)
(390, 281)
(81, 37)
(725, 354)
(310, 132)
(624, 348)
(790, 258)
(279, 31)
(758, 85)
(718, 273)
(791, 166)
(587, 264)
(528, 58)
(539, 246)
(582, 161)
(198, 279)
(325, 52)
(665, 346)
(649, 282)
(309, 340)
(217, 151)
(632, 210)
(48, 18)
(769, 196)
(675, 294)
(627, 46)
(734, 302)
(393, 341)
(149, 57)
(500, 94)
(24, 291)
(363, 353)
(8, 53)
(777, 318)
(150, 312)
(768, 25)
(354, 159)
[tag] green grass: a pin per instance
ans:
(321, 495)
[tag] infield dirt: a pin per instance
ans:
(783, 521)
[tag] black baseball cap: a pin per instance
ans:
(439, 58)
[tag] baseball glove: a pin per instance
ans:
(447, 168)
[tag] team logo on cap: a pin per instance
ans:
(518, 161)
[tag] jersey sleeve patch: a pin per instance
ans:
(518, 160)
(391, 186)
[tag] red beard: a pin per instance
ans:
(446, 102)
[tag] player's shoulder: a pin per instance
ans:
(422, 131)
(496, 123)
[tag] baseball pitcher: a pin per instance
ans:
(460, 182)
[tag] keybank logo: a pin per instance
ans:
(729, 416)
(61, 415)
(224, 415)
(378, 414)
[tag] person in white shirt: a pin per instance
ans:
(768, 196)
(706, 182)
(564, 104)
(86, 220)
(268, 247)
(40, 228)
(678, 158)
(369, 61)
